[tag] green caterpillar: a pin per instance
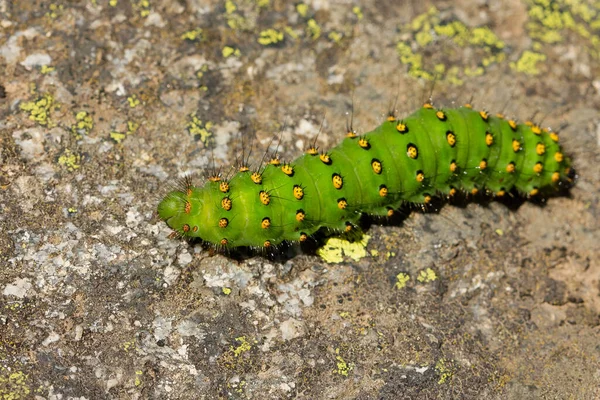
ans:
(432, 152)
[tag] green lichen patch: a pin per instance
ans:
(70, 160)
(201, 131)
(343, 368)
(40, 110)
(426, 276)
(143, 7)
(551, 22)
(46, 69)
(14, 385)
(270, 36)
(528, 63)
(229, 51)
(54, 10)
(302, 9)
(335, 249)
(133, 101)
(429, 34)
(313, 30)
(193, 35)
(445, 370)
(401, 280)
(83, 125)
(118, 137)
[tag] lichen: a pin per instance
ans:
(401, 280)
(133, 101)
(129, 345)
(46, 69)
(270, 36)
(14, 385)
(335, 249)
(192, 35)
(40, 110)
(335, 37)
(83, 125)
(70, 160)
(549, 22)
(54, 10)
(138, 375)
(143, 7)
(426, 276)
(200, 130)
(424, 31)
(244, 346)
(445, 369)
(118, 137)
(302, 9)
(343, 367)
(313, 29)
(231, 51)
(528, 62)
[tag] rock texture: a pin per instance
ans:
(106, 103)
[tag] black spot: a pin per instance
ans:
(2, 92)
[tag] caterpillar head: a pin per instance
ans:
(175, 210)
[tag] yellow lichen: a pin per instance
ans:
(14, 385)
(230, 51)
(83, 125)
(270, 36)
(426, 27)
(445, 370)
(302, 9)
(335, 249)
(197, 128)
(46, 69)
(290, 32)
(313, 29)
(54, 10)
(113, 3)
(401, 280)
(358, 12)
(423, 38)
(138, 375)
(548, 22)
(194, 34)
(70, 160)
(243, 346)
(343, 368)
(426, 276)
(528, 62)
(133, 101)
(226, 291)
(144, 8)
(118, 137)
(40, 110)
(129, 345)
(230, 7)
(335, 37)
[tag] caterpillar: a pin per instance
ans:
(432, 152)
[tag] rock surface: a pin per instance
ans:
(105, 103)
